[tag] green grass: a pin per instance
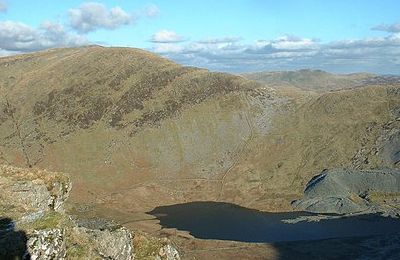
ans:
(51, 220)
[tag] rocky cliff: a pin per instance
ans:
(33, 224)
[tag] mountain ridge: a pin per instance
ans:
(311, 80)
(129, 124)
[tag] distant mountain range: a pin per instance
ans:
(318, 80)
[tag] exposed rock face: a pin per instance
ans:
(32, 200)
(110, 244)
(47, 244)
(168, 252)
(350, 191)
(33, 190)
(390, 149)
(34, 195)
(33, 224)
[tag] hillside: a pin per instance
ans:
(135, 131)
(312, 80)
(114, 118)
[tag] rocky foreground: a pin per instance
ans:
(33, 224)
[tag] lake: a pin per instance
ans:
(225, 221)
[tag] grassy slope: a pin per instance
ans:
(116, 117)
(136, 131)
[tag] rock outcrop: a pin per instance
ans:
(110, 244)
(351, 191)
(47, 244)
(33, 224)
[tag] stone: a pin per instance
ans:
(110, 244)
(168, 252)
(47, 244)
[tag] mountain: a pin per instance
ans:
(114, 118)
(312, 80)
(120, 118)
(136, 131)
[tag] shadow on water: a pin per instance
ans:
(224, 221)
(13, 243)
(355, 237)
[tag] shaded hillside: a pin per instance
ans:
(314, 80)
(136, 131)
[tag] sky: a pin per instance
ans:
(233, 36)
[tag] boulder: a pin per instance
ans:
(47, 244)
(110, 244)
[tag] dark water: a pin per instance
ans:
(224, 221)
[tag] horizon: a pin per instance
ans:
(239, 37)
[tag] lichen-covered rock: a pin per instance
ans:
(47, 244)
(168, 252)
(32, 190)
(33, 224)
(110, 244)
(349, 191)
(34, 195)
(60, 192)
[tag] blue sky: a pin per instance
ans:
(235, 36)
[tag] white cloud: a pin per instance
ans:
(165, 36)
(151, 11)
(92, 16)
(293, 43)
(19, 37)
(165, 48)
(379, 55)
(3, 6)
(220, 40)
(391, 28)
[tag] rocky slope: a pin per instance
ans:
(351, 191)
(33, 224)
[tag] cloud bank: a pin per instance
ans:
(19, 37)
(379, 54)
(165, 36)
(391, 28)
(230, 53)
(92, 16)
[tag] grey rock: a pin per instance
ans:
(390, 149)
(110, 244)
(47, 244)
(60, 194)
(34, 195)
(168, 252)
(346, 191)
(31, 217)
